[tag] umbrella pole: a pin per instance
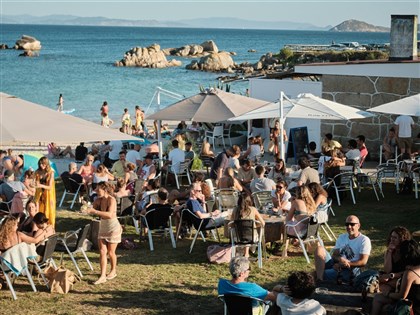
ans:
(281, 126)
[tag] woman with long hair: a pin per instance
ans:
(246, 211)
(303, 205)
(28, 226)
(105, 207)
(281, 197)
(278, 172)
(45, 189)
(319, 194)
(10, 236)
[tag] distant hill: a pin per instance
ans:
(358, 26)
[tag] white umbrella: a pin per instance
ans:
(409, 106)
(307, 106)
(23, 121)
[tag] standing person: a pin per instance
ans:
(139, 118)
(45, 189)
(403, 126)
(110, 230)
(104, 109)
(106, 121)
(126, 121)
(219, 165)
(60, 104)
(350, 253)
(118, 169)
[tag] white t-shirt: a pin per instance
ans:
(132, 156)
(286, 197)
(116, 147)
(261, 184)
(176, 156)
(404, 123)
(234, 163)
(305, 307)
(353, 154)
(352, 249)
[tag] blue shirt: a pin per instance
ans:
(195, 206)
(244, 288)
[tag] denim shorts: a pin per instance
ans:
(330, 273)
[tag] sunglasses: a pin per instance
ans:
(280, 187)
(351, 224)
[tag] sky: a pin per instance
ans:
(319, 13)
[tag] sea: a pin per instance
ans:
(77, 61)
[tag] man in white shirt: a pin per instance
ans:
(353, 153)
(133, 156)
(261, 183)
(176, 156)
(403, 126)
(350, 253)
(116, 148)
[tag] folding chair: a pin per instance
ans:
(199, 225)
(262, 199)
(46, 257)
(245, 233)
(237, 304)
(71, 187)
(65, 246)
(309, 234)
(8, 265)
(159, 220)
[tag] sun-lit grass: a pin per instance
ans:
(171, 281)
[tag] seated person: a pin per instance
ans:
(120, 189)
(152, 186)
(329, 144)
(294, 298)
(313, 154)
(182, 196)
(281, 197)
(228, 181)
(41, 222)
(362, 148)
(9, 188)
(162, 195)
(261, 183)
(205, 149)
(189, 152)
(11, 161)
(350, 253)
(28, 226)
(390, 144)
(246, 174)
(73, 174)
(234, 158)
(319, 194)
(57, 152)
(308, 174)
(80, 152)
(278, 172)
(148, 171)
(197, 205)
(239, 269)
(353, 153)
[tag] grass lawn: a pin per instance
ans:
(171, 281)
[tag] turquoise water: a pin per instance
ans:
(77, 61)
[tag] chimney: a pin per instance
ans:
(403, 37)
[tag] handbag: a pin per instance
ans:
(61, 280)
(218, 254)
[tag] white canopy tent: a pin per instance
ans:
(26, 122)
(306, 106)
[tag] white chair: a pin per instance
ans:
(324, 224)
(371, 179)
(226, 133)
(261, 198)
(227, 199)
(416, 179)
(217, 133)
(181, 171)
(343, 182)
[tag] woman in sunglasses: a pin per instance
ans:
(281, 197)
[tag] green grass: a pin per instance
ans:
(171, 281)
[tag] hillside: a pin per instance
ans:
(358, 26)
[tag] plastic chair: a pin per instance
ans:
(207, 162)
(183, 171)
(371, 179)
(217, 133)
(324, 225)
(227, 199)
(199, 225)
(245, 233)
(262, 198)
(159, 220)
(310, 234)
(343, 182)
(226, 133)
(71, 187)
(65, 246)
(237, 304)
(46, 257)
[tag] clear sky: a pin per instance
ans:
(319, 13)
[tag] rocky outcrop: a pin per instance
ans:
(215, 61)
(193, 50)
(29, 53)
(28, 43)
(4, 46)
(146, 57)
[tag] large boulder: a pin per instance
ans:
(146, 57)
(210, 46)
(28, 43)
(4, 46)
(213, 62)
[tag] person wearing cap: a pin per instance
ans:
(350, 253)
(10, 187)
(148, 171)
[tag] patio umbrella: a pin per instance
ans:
(30, 161)
(409, 106)
(307, 106)
(23, 121)
(212, 105)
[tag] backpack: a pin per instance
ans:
(406, 186)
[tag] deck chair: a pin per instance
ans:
(245, 233)
(199, 225)
(227, 199)
(65, 245)
(309, 234)
(9, 269)
(159, 220)
(343, 182)
(262, 198)
(71, 187)
(237, 304)
(46, 257)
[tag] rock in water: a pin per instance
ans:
(210, 46)
(4, 46)
(221, 61)
(28, 43)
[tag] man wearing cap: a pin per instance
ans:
(350, 253)
(10, 187)
(148, 171)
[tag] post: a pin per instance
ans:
(281, 109)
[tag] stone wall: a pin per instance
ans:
(366, 92)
